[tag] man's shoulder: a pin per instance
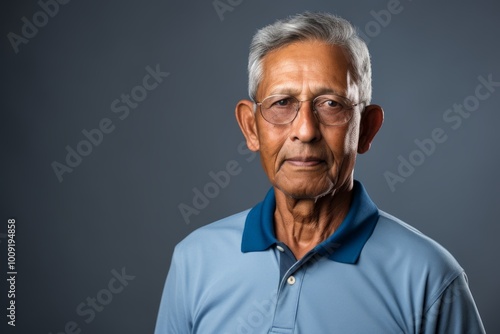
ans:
(226, 231)
(400, 240)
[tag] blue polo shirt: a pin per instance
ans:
(374, 274)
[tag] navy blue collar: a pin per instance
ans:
(344, 245)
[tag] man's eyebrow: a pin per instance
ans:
(329, 90)
(285, 91)
(296, 92)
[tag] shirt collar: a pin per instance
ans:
(344, 245)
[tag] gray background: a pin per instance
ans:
(119, 207)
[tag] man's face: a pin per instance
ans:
(306, 159)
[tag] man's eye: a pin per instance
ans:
(330, 104)
(333, 104)
(282, 103)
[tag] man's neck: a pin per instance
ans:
(302, 224)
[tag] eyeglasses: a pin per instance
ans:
(329, 109)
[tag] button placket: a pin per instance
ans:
(288, 299)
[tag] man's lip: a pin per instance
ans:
(304, 161)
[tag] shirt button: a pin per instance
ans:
(281, 249)
(291, 280)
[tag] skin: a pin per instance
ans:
(310, 165)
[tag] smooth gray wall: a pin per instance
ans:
(119, 208)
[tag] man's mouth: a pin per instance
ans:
(304, 161)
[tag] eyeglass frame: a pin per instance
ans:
(351, 107)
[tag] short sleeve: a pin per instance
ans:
(454, 312)
(172, 315)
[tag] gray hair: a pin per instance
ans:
(308, 26)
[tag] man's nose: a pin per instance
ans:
(306, 126)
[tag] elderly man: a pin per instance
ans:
(316, 256)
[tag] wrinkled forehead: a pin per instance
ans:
(305, 68)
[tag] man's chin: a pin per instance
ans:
(311, 191)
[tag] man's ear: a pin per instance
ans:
(245, 116)
(371, 121)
